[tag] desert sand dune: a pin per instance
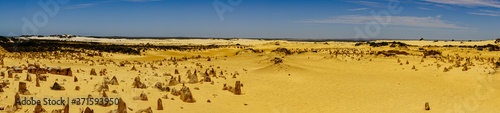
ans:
(269, 76)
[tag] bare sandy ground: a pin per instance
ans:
(329, 77)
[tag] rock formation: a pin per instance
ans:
(122, 106)
(147, 110)
(113, 81)
(9, 74)
(206, 77)
(17, 77)
(277, 60)
(160, 105)
(23, 89)
(104, 94)
(213, 73)
(142, 97)
(174, 92)
(37, 82)
(237, 88)
(186, 95)
(133, 68)
(66, 108)
(193, 78)
(88, 110)
(28, 77)
(16, 105)
(158, 85)
(56, 86)
(465, 68)
(103, 72)
(102, 87)
(179, 79)
(93, 72)
(172, 82)
(427, 107)
(39, 109)
(138, 84)
(41, 77)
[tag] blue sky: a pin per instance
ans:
(314, 19)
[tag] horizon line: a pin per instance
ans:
(267, 38)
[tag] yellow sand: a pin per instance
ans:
(308, 82)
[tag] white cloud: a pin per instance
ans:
(78, 6)
(469, 3)
(426, 22)
(424, 8)
(486, 13)
(369, 3)
(141, 0)
(358, 9)
(489, 11)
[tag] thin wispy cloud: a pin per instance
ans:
(141, 0)
(469, 3)
(422, 2)
(443, 6)
(431, 29)
(424, 8)
(78, 6)
(486, 13)
(358, 9)
(426, 22)
(85, 5)
(431, 5)
(369, 3)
